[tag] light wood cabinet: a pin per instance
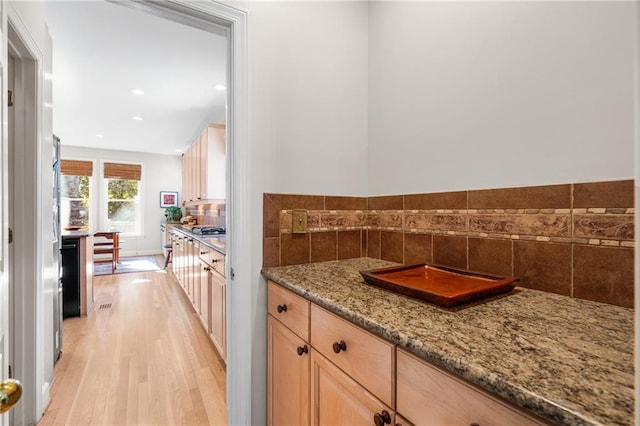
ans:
(427, 395)
(288, 363)
(338, 392)
(178, 264)
(200, 272)
(358, 378)
(214, 289)
(205, 299)
(204, 166)
(218, 313)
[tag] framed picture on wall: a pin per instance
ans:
(168, 199)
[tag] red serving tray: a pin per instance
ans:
(440, 285)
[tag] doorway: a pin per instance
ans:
(232, 23)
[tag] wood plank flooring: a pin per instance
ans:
(141, 357)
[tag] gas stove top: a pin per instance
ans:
(209, 230)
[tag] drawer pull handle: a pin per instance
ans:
(474, 424)
(302, 350)
(342, 346)
(381, 419)
(203, 252)
(206, 268)
(215, 260)
(282, 308)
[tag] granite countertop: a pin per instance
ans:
(216, 242)
(567, 360)
(76, 234)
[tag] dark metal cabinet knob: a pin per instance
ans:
(282, 308)
(203, 252)
(339, 346)
(302, 350)
(381, 419)
(474, 424)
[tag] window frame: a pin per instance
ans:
(94, 198)
(104, 199)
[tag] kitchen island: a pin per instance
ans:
(568, 361)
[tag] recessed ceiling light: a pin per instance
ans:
(99, 135)
(137, 118)
(137, 92)
(220, 87)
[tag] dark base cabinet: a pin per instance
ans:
(77, 275)
(70, 277)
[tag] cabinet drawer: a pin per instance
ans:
(213, 258)
(366, 358)
(428, 395)
(289, 308)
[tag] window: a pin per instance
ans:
(123, 204)
(75, 185)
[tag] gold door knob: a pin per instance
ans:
(10, 393)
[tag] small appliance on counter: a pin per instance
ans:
(209, 230)
(188, 220)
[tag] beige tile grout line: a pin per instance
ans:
(571, 233)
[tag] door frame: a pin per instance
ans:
(29, 357)
(223, 19)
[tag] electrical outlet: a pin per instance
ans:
(299, 222)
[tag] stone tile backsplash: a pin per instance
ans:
(210, 213)
(573, 239)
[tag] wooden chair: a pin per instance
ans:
(169, 255)
(107, 246)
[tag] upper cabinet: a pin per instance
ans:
(204, 166)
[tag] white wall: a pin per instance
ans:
(308, 95)
(159, 173)
(492, 94)
(308, 134)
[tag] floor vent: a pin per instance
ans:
(105, 306)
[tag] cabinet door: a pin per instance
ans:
(202, 164)
(195, 277)
(174, 248)
(287, 376)
(218, 313)
(336, 399)
(204, 296)
(185, 167)
(216, 161)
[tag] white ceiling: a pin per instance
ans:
(101, 51)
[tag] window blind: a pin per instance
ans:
(76, 167)
(122, 171)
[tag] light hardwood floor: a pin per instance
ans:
(141, 357)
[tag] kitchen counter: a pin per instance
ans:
(77, 234)
(567, 360)
(216, 242)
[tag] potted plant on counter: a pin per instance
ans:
(173, 214)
